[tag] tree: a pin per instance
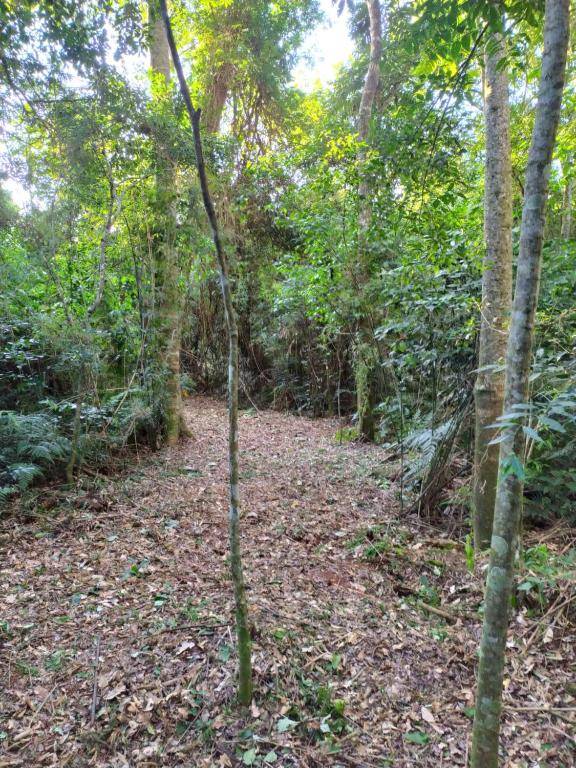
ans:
(367, 362)
(242, 628)
(168, 300)
(496, 287)
(508, 506)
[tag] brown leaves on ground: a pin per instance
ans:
(355, 663)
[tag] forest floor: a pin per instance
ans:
(122, 593)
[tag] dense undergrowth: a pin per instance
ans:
(65, 393)
(80, 372)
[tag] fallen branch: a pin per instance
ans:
(539, 708)
(197, 625)
(438, 611)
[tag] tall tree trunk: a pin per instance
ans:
(242, 626)
(496, 287)
(166, 325)
(369, 91)
(518, 358)
(216, 101)
(367, 373)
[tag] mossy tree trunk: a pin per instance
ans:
(168, 300)
(508, 507)
(367, 361)
(368, 387)
(496, 287)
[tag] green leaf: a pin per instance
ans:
(338, 706)
(529, 432)
(249, 757)
(224, 653)
(284, 724)
(552, 424)
(271, 757)
(417, 737)
(513, 466)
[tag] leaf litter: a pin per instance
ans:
(365, 626)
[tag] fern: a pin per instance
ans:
(430, 451)
(24, 474)
(34, 446)
(30, 445)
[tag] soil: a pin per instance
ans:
(117, 637)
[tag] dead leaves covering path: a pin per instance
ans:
(351, 668)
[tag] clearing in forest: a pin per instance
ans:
(365, 625)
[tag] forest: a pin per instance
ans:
(287, 383)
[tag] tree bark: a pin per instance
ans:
(166, 325)
(242, 626)
(508, 507)
(496, 287)
(367, 362)
(214, 108)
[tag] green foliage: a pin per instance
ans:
(470, 553)
(417, 737)
(542, 571)
(549, 424)
(550, 485)
(32, 449)
(374, 542)
(346, 434)
(428, 592)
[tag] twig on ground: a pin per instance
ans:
(554, 608)
(43, 702)
(437, 611)
(539, 708)
(197, 625)
(95, 683)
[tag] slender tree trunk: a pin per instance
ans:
(518, 357)
(104, 242)
(367, 363)
(72, 460)
(242, 626)
(566, 232)
(496, 287)
(166, 324)
(366, 104)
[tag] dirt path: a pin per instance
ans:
(350, 668)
